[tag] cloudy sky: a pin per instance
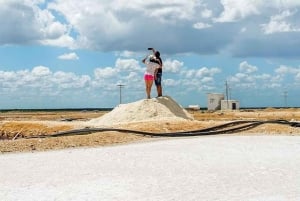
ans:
(73, 54)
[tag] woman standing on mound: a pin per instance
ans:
(152, 66)
(158, 74)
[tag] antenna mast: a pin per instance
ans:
(285, 94)
(120, 86)
(226, 87)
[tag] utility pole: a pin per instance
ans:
(285, 98)
(226, 86)
(120, 86)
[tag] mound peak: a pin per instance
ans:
(155, 109)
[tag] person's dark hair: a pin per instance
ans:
(153, 60)
(157, 54)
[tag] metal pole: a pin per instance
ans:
(120, 86)
(226, 85)
(285, 94)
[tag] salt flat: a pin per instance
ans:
(230, 167)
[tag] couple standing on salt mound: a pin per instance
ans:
(153, 72)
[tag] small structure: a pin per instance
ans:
(194, 107)
(214, 101)
(230, 105)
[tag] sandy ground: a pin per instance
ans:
(235, 168)
(16, 126)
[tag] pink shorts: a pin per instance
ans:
(148, 77)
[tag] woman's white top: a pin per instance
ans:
(151, 67)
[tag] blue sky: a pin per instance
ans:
(73, 54)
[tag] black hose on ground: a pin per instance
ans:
(228, 128)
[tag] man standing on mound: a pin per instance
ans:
(158, 74)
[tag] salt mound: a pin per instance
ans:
(155, 109)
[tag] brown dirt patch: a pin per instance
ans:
(13, 129)
(25, 124)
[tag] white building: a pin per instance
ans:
(214, 101)
(230, 105)
(194, 107)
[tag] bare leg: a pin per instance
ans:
(148, 84)
(159, 90)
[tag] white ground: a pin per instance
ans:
(235, 168)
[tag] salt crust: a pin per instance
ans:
(156, 109)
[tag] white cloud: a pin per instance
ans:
(278, 24)
(49, 28)
(126, 54)
(202, 72)
(287, 70)
(197, 77)
(7, 75)
(171, 82)
(62, 41)
(132, 26)
(297, 77)
(167, 11)
(207, 79)
(247, 68)
(283, 69)
(249, 77)
(127, 65)
(237, 10)
(24, 22)
(206, 13)
(132, 76)
(41, 71)
(69, 80)
(172, 66)
(200, 25)
(41, 78)
(279, 4)
(68, 56)
(107, 72)
(266, 77)
(189, 73)
(97, 22)
(129, 28)
(42, 81)
(125, 26)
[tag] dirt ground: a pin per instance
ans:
(17, 128)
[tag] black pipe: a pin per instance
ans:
(220, 129)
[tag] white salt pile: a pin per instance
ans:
(155, 109)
